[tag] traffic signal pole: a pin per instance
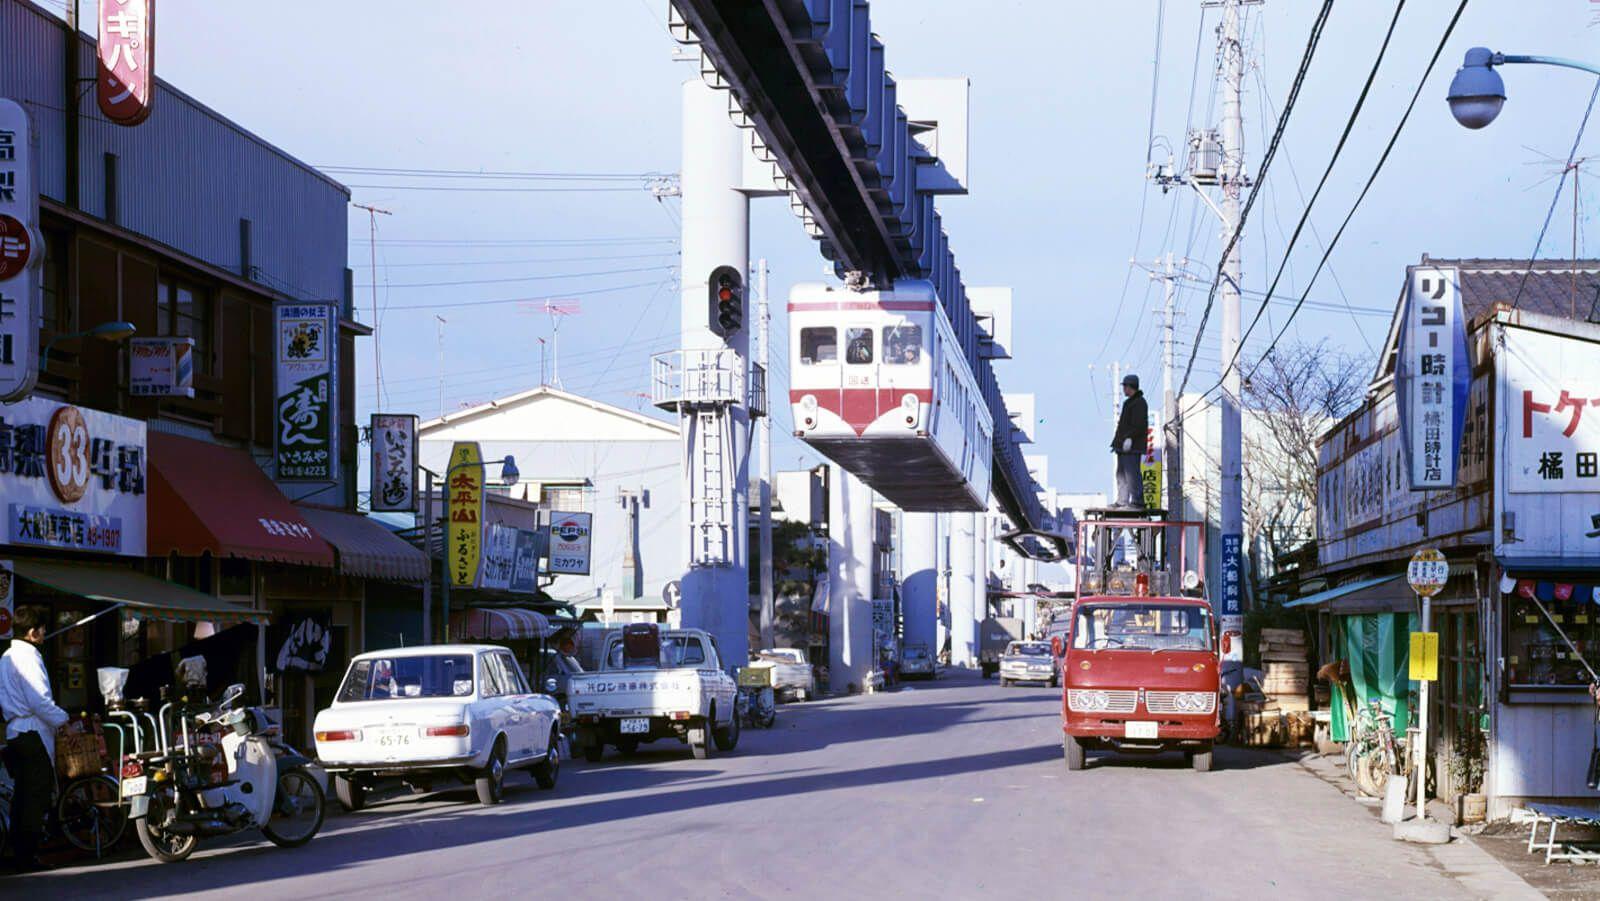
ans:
(713, 414)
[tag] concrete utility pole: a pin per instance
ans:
(1170, 437)
(439, 322)
(1116, 410)
(768, 601)
(1231, 180)
(372, 276)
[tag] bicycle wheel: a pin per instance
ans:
(90, 814)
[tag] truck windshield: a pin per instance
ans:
(1028, 649)
(1146, 627)
(431, 676)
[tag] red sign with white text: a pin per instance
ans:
(126, 75)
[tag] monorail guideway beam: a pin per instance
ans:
(808, 76)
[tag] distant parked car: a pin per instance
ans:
(437, 712)
(916, 663)
(1027, 661)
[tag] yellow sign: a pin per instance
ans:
(464, 513)
(1424, 664)
(1150, 474)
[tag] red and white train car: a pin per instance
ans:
(879, 385)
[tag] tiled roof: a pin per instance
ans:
(1549, 288)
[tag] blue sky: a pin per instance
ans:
(1060, 105)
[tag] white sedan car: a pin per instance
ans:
(437, 711)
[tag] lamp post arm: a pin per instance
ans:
(1500, 58)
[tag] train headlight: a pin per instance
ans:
(808, 407)
(910, 408)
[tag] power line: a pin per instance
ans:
(497, 189)
(527, 260)
(527, 242)
(493, 175)
(1338, 148)
(1261, 175)
(1389, 148)
(505, 300)
(528, 278)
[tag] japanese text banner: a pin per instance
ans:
(1550, 413)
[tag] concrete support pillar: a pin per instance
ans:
(850, 652)
(715, 232)
(982, 554)
(963, 591)
(919, 579)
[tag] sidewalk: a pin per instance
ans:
(1489, 866)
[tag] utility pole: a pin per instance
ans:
(439, 322)
(768, 601)
(1116, 408)
(1231, 180)
(372, 251)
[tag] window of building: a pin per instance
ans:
(566, 498)
(818, 345)
(858, 345)
(56, 312)
(184, 310)
(1535, 655)
(902, 343)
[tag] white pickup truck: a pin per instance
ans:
(792, 678)
(655, 684)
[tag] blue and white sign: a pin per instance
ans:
(72, 479)
(1433, 376)
(569, 543)
(1232, 570)
(21, 254)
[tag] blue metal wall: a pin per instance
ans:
(186, 176)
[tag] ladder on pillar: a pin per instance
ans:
(709, 493)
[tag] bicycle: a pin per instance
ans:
(1373, 753)
(88, 813)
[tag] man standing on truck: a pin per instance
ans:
(1130, 443)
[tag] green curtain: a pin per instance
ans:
(1378, 648)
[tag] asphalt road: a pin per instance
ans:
(953, 789)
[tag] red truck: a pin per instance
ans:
(1138, 659)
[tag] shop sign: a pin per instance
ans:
(1232, 570)
(161, 367)
(464, 510)
(525, 567)
(1432, 377)
(72, 479)
(569, 543)
(127, 60)
(1550, 395)
(882, 618)
(21, 254)
(394, 463)
(307, 391)
(499, 557)
(8, 598)
(1150, 465)
(302, 645)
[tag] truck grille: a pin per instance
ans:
(1167, 702)
(1116, 701)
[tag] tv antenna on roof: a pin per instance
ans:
(556, 308)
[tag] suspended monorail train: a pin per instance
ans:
(880, 385)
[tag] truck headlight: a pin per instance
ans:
(1088, 700)
(1192, 701)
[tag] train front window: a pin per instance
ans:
(902, 343)
(818, 345)
(858, 345)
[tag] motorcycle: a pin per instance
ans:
(218, 772)
(755, 705)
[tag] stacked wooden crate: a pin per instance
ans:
(1282, 718)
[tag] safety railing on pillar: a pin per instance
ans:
(700, 378)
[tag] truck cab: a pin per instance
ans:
(1140, 668)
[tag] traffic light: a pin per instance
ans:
(727, 301)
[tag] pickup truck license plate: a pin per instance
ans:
(635, 726)
(1140, 729)
(133, 786)
(393, 738)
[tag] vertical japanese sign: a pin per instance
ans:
(464, 509)
(307, 392)
(126, 74)
(21, 255)
(1232, 571)
(72, 479)
(1433, 377)
(394, 462)
(161, 367)
(1550, 395)
(525, 568)
(569, 543)
(1150, 465)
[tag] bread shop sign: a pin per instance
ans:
(72, 479)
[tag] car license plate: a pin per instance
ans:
(635, 726)
(1140, 729)
(393, 738)
(133, 786)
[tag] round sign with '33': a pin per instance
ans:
(67, 449)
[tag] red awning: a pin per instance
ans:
(206, 497)
(367, 549)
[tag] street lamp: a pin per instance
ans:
(105, 331)
(509, 475)
(1477, 93)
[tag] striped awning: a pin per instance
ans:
(499, 624)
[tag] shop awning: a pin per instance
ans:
(1378, 589)
(206, 497)
(367, 549)
(151, 597)
(499, 624)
